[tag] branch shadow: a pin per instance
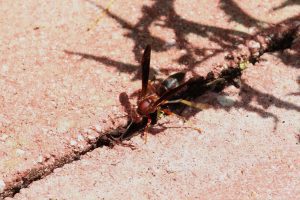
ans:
(249, 94)
(237, 14)
(162, 13)
(287, 3)
(120, 66)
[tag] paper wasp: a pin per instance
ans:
(153, 96)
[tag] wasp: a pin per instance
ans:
(155, 95)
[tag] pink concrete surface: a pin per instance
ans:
(58, 81)
(247, 150)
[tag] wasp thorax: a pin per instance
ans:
(145, 106)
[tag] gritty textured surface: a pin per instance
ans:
(247, 150)
(57, 80)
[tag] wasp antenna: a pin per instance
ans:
(145, 69)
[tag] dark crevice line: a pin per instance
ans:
(38, 174)
(274, 39)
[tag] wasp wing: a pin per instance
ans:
(171, 92)
(171, 82)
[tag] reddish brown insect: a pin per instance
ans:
(153, 96)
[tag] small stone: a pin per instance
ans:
(87, 130)
(40, 159)
(2, 186)
(170, 43)
(254, 45)
(180, 123)
(183, 51)
(98, 128)
(241, 46)
(20, 152)
(225, 100)
(252, 30)
(80, 138)
(91, 137)
(73, 143)
(208, 52)
(115, 35)
(253, 194)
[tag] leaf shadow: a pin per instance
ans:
(237, 14)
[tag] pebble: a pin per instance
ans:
(252, 30)
(88, 130)
(225, 100)
(208, 52)
(91, 137)
(80, 138)
(183, 51)
(73, 143)
(20, 152)
(254, 45)
(2, 186)
(40, 159)
(170, 43)
(98, 128)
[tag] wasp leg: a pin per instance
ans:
(129, 144)
(116, 141)
(144, 134)
(121, 137)
(167, 111)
